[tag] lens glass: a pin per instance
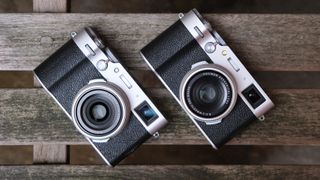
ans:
(147, 112)
(99, 112)
(208, 94)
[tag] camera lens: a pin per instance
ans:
(99, 111)
(208, 94)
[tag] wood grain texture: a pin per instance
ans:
(160, 172)
(15, 6)
(177, 6)
(31, 116)
(17, 155)
(52, 6)
(204, 155)
(263, 42)
(16, 79)
(49, 153)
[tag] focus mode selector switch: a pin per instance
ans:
(125, 81)
(253, 96)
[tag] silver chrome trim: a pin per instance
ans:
(176, 98)
(113, 89)
(220, 57)
(196, 70)
(112, 74)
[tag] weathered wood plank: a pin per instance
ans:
(50, 6)
(16, 79)
(15, 6)
(160, 172)
(49, 153)
(268, 80)
(15, 155)
(205, 155)
(31, 116)
(263, 42)
(176, 6)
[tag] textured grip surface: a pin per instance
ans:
(171, 55)
(120, 146)
(65, 72)
(240, 117)
(167, 44)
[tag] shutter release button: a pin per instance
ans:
(210, 47)
(102, 65)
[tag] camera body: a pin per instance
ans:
(101, 98)
(206, 78)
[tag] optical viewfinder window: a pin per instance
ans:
(146, 113)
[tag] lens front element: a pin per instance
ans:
(100, 110)
(208, 93)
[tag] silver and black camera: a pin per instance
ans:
(206, 78)
(104, 102)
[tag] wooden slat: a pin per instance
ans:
(15, 155)
(263, 42)
(16, 79)
(50, 6)
(176, 6)
(267, 79)
(160, 172)
(204, 154)
(15, 6)
(49, 153)
(31, 116)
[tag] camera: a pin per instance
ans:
(98, 94)
(206, 78)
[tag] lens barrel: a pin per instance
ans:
(208, 92)
(100, 110)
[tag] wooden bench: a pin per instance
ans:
(282, 51)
